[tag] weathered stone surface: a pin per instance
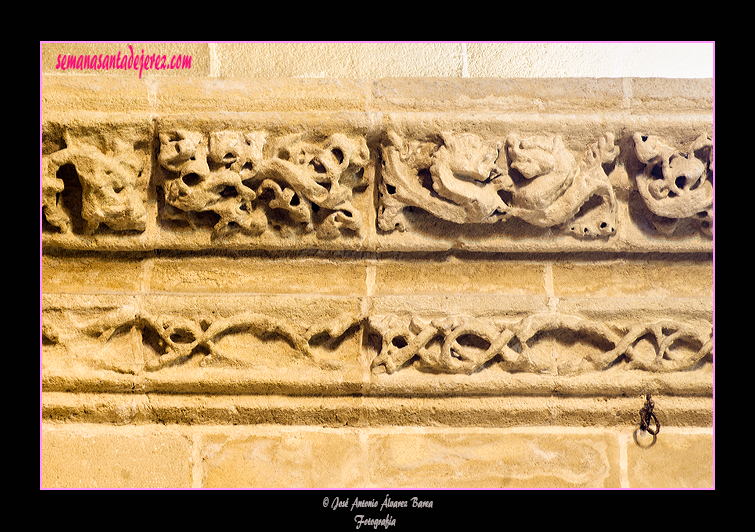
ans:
(284, 460)
(269, 456)
(257, 275)
(202, 342)
(465, 344)
(460, 276)
(96, 457)
(465, 181)
(627, 278)
(676, 186)
(376, 283)
(431, 459)
(282, 343)
(95, 176)
(678, 459)
(473, 166)
(386, 403)
(224, 173)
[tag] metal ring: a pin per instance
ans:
(655, 438)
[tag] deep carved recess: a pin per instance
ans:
(88, 183)
(465, 179)
(304, 185)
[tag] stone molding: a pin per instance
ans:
(383, 173)
(600, 169)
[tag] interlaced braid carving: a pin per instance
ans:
(455, 344)
(174, 339)
(434, 344)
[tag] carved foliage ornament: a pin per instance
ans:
(244, 182)
(226, 173)
(676, 186)
(465, 179)
(111, 182)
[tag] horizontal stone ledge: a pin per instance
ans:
(124, 94)
(584, 177)
(357, 384)
(365, 412)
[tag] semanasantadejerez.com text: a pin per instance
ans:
(126, 61)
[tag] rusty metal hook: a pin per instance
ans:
(646, 414)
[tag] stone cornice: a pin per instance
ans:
(615, 165)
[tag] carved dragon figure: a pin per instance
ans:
(465, 179)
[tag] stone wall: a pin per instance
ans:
(426, 282)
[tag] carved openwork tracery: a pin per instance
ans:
(207, 186)
(676, 186)
(244, 179)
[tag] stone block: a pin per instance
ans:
(488, 94)
(93, 456)
(84, 95)
(92, 274)
(639, 278)
(450, 275)
(677, 459)
(288, 458)
(672, 96)
(255, 275)
(435, 459)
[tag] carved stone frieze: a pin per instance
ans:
(418, 252)
(477, 165)
(252, 188)
(465, 344)
(465, 179)
(224, 340)
(676, 186)
(126, 339)
(246, 182)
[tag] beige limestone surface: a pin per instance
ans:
(269, 456)
(409, 59)
(383, 282)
